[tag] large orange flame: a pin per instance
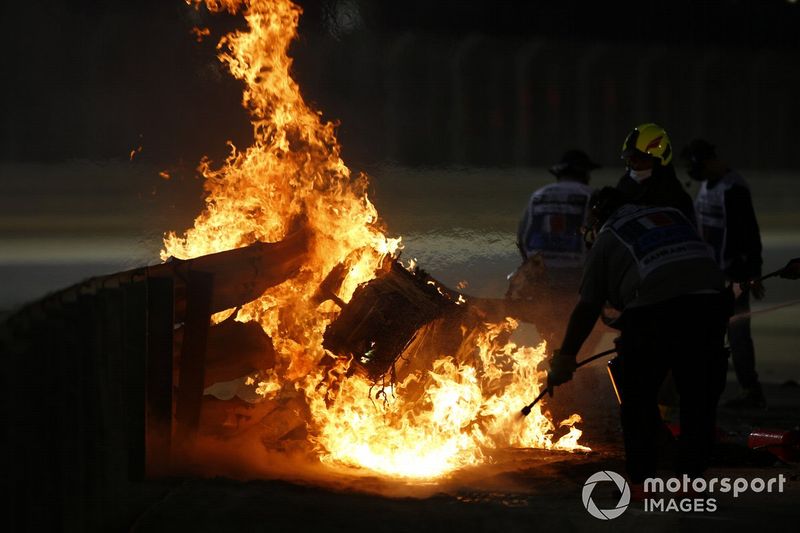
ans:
(463, 413)
(293, 168)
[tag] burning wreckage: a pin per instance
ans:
(282, 316)
(392, 334)
(395, 326)
(159, 334)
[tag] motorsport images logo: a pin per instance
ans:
(675, 494)
(622, 486)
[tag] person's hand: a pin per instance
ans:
(757, 289)
(562, 366)
(791, 270)
(737, 290)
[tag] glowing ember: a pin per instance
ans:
(292, 170)
(200, 33)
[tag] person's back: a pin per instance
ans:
(645, 255)
(727, 222)
(651, 264)
(552, 224)
(554, 215)
(551, 243)
(675, 311)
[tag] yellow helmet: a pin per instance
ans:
(650, 139)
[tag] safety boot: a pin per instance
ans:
(751, 398)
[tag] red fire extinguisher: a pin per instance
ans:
(782, 443)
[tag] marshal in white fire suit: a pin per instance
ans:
(727, 222)
(551, 241)
(551, 224)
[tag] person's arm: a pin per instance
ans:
(584, 315)
(791, 270)
(593, 295)
(563, 363)
(580, 325)
(743, 242)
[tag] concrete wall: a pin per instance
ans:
(493, 101)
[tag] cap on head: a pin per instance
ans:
(648, 139)
(574, 162)
(699, 151)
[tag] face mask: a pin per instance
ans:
(640, 175)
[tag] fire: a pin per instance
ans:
(462, 415)
(293, 170)
(200, 33)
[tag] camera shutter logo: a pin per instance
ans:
(622, 485)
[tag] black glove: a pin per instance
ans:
(756, 289)
(791, 270)
(562, 366)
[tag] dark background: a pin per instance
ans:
(494, 83)
(453, 108)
